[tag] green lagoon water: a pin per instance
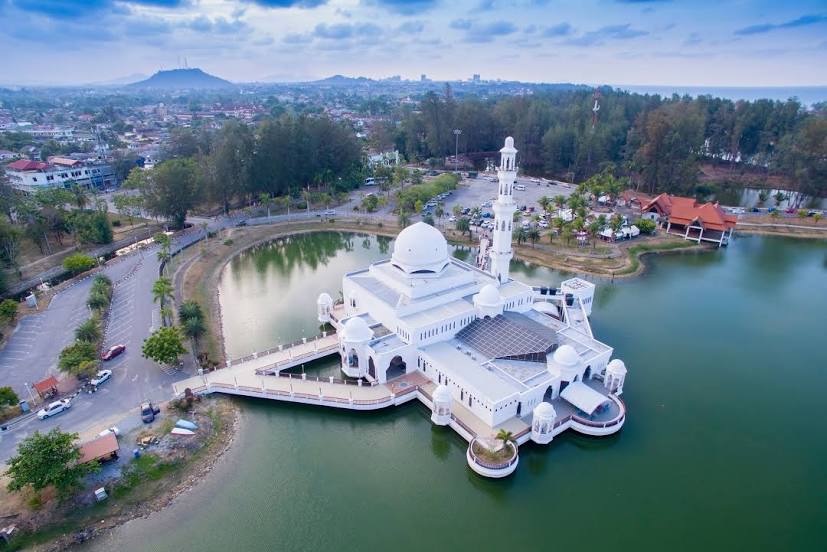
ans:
(724, 447)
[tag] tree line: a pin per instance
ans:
(658, 142)
(239, 165)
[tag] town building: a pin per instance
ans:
(684, 216)
(60, 172)
(384, 159)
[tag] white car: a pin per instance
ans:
(520, 187)
(54, 408)
(113, 429)
(102, 376)
(543, 223)
(452, 218)
(330, 212)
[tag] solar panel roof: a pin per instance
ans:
(510, 336)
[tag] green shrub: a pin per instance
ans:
(8, 310)
(228, 242)
(78, 262)
(646, 226)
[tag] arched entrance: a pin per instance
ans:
(563, 385)
(352, 359)
(548, 394)
(587, 374)
(396, 368)
(371, 368)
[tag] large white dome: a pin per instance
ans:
(356, 329)
(420, 249)
(565, 355)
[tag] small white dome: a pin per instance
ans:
(545, 411)
(509, 146)
(324, 299)
(356, 329)
(617, 367)
(442, 394)
(565, 355)
(488, 296)
(420, 248)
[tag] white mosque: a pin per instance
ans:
(500, 354)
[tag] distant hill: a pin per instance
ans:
(341, 79)
(177, 79)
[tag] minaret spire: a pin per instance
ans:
(504, 212)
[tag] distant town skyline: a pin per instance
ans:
(632, 42)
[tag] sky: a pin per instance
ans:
(644, 42)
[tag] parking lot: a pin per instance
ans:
(474, 192)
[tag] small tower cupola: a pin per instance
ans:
(441, 414)
(615, 376)
(324, 306)
(542, 423)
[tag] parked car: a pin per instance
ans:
(101, 377)
(241, 223)
(148, 412)
(113, 351)
(330, 212)
(519, 187)
(113, 429)
(53, 408)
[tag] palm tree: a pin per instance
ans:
(560, 201)
(505, 436)
(194, 328)
(533, 235)
(763, 196)
(439, 211)
(594, 230)
(166, 315)
(89, 331)
(97, 301)
(544, 202)
(521, 235)
(779, 197)
(162, 290)
(190, 310)
(163, 255)
(81, 199)
(463, 225)
(404, 218)
(457, 210)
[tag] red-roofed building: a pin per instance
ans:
(27, 165)
(683, 216)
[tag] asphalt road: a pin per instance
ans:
(32, 351)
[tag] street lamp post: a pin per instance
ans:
(457, 132)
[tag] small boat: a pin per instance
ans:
(181, 431)
(186, 424)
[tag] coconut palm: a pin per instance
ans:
(190, 310)
(594, 230)
(505, 436)
(162, 290)
(533, 235)
(404, 218)
(194, 328)
(559, 201)
(779, 198)
(463, 225)
(89, 331)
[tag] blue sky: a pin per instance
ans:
(700, 42)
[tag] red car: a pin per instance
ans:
(113, 351)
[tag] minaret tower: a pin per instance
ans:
(504, 212)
